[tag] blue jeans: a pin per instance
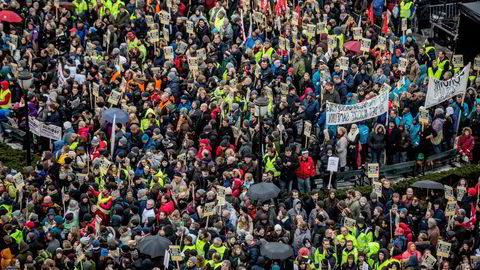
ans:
(377, 156)
(304, 184)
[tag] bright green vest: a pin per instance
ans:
(405, 9)
(220, 250)
(345, 254)
(373, 248)
(342, 238)
(187, 248)
(340, 40)
(435, 75)
(428, 49)
(3, 94)
(318, 257)
(199, 246)
(441, 65)
(18, 236)
(363, 239)
(8, 208)
(270, 164)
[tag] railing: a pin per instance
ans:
(444, 12)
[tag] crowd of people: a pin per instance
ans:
(186, 77)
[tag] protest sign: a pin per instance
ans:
(332, 165)
(193, 63)
(457, 60)
(190, 27)
(402, 64)
(386, 87)
(175, 253)
(51, 132)
(377, 188)
(168, 51)
(182, 47)
(281, 43)
(373, 170)
(332, 42)
(35, 126)
(440, 90)
(338, 114)
(320, 28)
(448, 192)
(382, 42)
(343, 63)
(153, 36)
(221, 195)
(209, 209)
(166, 34)
(149, 20)
(164, 17)
(19, 182)
(443, 249)
(357, 33)
(461, 193)
(115, 97)
(429, 261)
(350, 223)
(310, 29)
(423, 116)
(476, 63)
(202, 54)
(284, 88)
(450, 208)
(365, 44)
(307, 128)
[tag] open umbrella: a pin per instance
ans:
(153, 246)
(427, 184)
(353, 46)
(263, 191)
(10, 16)
(276, 251)
(122, 116)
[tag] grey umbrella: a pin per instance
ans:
(276, 251)
(153, 246)
(109, 114)
(427, 184)
(263, 191)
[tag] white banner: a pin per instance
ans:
(439, 91)
(338, 114)
(41, 129)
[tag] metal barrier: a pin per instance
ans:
(444, 12)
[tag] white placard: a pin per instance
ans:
(332, 164)
(440, 90)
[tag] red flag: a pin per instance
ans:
(279, 6)
(370, 14)
(385, 23)
(265, 6)
(297, 9)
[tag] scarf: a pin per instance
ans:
(352, 135)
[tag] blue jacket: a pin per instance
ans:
(407, 120)
(364, 131)
(311, 109)
(415, 134)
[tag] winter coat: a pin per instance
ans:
(306, 169)
(376, 141)
(299, 236)
(341, 150)
(465, 145)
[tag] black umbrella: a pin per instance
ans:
(276, 251)
(427, 184)
(153, 246)
(263, 191)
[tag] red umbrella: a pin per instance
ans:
(353, 46)
(10, 16)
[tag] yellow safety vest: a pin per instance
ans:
(435, 75)
(428, 49)
(220, 250)
(340, 40)
(199, 246)
(270, 164)
(18, 236)
(3, 94)
(441, 64)
(187, 248)
(100, 199)
(405, 9)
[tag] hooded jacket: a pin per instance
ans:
(377, 140)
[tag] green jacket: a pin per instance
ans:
(345, 254)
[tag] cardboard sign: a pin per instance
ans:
(332, 42)
(149, 20)
(307, 129)
(461, 191)
(175, 253)
(258, 17)
(221, 195)
(404, 24)
(95, 89)
(373, 170)
(457, 60)
(209, 209)
(164, 17)
(193, 63)
(443, 249)
(357, 33)
(448, 192)
(382, 42)
(282, 43)
(153, 36)
(377, 188)
(284, 88)
(476, 63)
(202, 54)
(423, 116)
(182, 47)
(190, 27)
(169, 3)
(155, 70)
(365, 44)
(429, 261)
(166, 34)
(56, 3)
(168, 51)
(19, 182)
(344, 63)
(350, 223)
(451, 208)
(332, 164)
(321, 28)
(402, 64)
(115, 97)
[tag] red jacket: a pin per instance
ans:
(168, 208)
(465, 145)
(307, 168)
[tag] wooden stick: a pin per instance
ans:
(206, 225)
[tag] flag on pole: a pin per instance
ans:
(112, 139)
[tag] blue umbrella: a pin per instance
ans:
(122, 116)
